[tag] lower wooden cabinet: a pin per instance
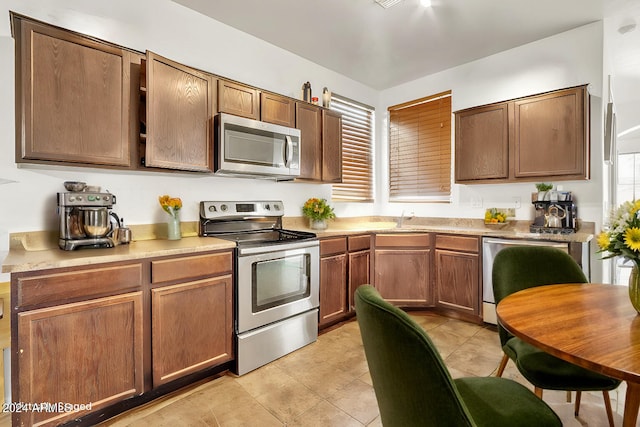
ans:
(344, 265)
(86, 353)
(457, 264)
(403, 268)
(192, 327)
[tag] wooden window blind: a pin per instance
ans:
(420, 150)
(357, 151)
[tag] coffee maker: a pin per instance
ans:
(85, 220)
(557, 215)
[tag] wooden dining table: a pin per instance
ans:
(592, 325)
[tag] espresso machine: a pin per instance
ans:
(557, 215)
(85, 219)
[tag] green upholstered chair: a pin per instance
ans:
(523, 267)
(413, 386)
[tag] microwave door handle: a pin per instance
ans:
(288, 151)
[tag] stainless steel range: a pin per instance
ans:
(276, 280)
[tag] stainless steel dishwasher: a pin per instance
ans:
(490, 247)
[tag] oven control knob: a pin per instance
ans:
(223, 208)
(212, 208)
(276, 207)
(267, 206)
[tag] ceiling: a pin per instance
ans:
(382, 48)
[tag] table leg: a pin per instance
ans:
(631, 404)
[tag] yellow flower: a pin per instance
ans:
(603, 240)
(632, 238)
(636, 207)
(170, 205)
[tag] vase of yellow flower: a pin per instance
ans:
(318, 211)
(172, 206)
(621, 237)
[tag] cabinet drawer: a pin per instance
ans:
(85, 283)
(182, 268)
(403, 240)
(457, 243)
(359, 243)
(333, 246)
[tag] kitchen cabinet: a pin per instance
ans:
(194, 291)
(73, 345)
(458, 275)
(277, 109)
(236, 98)
(535, 138)
(333, 280)
(359, 263)
(331, 146)
(73, 98)
(180, 102)
(482, 143)
(321, 143)
(402, 265)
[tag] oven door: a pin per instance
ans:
(276, 282)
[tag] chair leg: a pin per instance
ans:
(503, 364)
(538, 392)
(607, 405)
(568, 396)
(576, 410)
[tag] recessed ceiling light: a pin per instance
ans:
(387, 3)
(425, 3)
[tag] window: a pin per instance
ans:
(357, 151)
(420, 150)
(628, 188)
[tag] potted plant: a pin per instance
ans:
(543, 188)
(318, 211)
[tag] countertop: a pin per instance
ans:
(38, 250)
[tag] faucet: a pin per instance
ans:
(409, 216)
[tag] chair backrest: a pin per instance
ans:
(521, 267)
(412, 384)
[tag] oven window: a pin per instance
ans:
(279, 281)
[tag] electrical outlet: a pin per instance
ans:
(476, 202)
(518, 202)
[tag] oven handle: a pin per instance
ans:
(278, 248)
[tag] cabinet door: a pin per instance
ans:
(192, 327)
(550, 135)
(309, 121)
(482, 143)
(457, 281)
(333, 288)
(86, 352)
(403, 276)
(238, 99)
(331, 146)
(73, 98)
(359, 267)
(277, 109)
(179, 116)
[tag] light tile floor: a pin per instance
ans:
(327, 384)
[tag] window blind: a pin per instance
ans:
(420, 150)
(357, 150)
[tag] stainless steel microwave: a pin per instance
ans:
(247, 147)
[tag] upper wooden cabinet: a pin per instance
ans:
(73, 98)
(482, 143)
(321, 143)
(309, 121)
(238, 99)
(331, 146)
(277, 109)
(540, 137)
(179, 108)
(551, 135)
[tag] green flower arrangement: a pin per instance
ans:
(621, 233)
(317, 209)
